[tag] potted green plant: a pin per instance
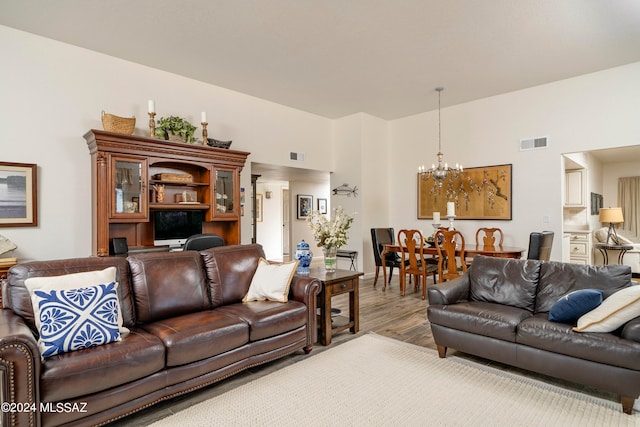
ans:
(174, 128)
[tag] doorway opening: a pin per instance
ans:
(279, 228)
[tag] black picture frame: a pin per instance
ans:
(596, 203)
(305, 206)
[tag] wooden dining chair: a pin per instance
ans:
(486, 236)
(451, 258)
(414, 262)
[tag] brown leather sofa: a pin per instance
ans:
(499, 310)
(188, 329)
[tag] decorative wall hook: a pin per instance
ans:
(345, 190)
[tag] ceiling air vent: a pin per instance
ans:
(533, 143)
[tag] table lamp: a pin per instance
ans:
(612, 216)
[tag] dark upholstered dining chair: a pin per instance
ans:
(540, 245)
(200, 242)
(379, 238)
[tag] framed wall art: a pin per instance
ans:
(18, 195)
(596, 203)
(259, 210)
(322, 206)
(305, 204)
(478, 193)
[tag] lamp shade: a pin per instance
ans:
(611, 215)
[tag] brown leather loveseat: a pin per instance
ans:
(188, 328)
(499, 310)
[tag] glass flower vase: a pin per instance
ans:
(330, 259)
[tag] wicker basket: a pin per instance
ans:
(116, 124)
(174, 177)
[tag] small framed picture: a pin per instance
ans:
(596, 203)
(18, 195)
(305, 204)
(322, 206)
(259, 217)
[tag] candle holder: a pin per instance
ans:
(451, 218)
(435, 228)
(204, 133)
(152, 125)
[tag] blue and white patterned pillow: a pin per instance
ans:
(69, 320)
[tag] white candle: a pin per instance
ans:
(204, 117)
(152, 106)
(451, 209)
(436, 217)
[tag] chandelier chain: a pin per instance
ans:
(439, 89)
(439, 173)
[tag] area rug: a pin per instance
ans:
(377, 381)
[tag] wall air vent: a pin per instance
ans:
(534, 143)
(296, 156)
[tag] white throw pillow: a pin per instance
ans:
(614, 312)
(68, 282)
(271, 281)
(601, 234)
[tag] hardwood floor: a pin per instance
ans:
(383, 312)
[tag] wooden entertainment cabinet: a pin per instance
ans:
(128, 172)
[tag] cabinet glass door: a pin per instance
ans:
(225, 203)
(128, 198)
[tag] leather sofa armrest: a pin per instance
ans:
(451, 292)
(20, 366)
(305, 290)
(631, 330)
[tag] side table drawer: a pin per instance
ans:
(342, 287)
(578, 248)
(579, 237)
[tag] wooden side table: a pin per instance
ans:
(604, 250)
(337, 283)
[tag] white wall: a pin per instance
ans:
(52, 93)
(598, 110)
(361, 159)
(348, 160)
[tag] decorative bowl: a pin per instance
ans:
(218, 144)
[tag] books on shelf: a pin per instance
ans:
(8, 262)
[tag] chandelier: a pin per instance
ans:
(439, 173)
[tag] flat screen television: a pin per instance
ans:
(174, 227)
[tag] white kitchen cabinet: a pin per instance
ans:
(575, 188)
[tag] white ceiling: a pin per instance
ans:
(338, 57)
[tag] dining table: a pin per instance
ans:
(469, 251)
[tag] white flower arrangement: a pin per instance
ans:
(330, 233)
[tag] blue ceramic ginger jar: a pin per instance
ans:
(303, 256)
